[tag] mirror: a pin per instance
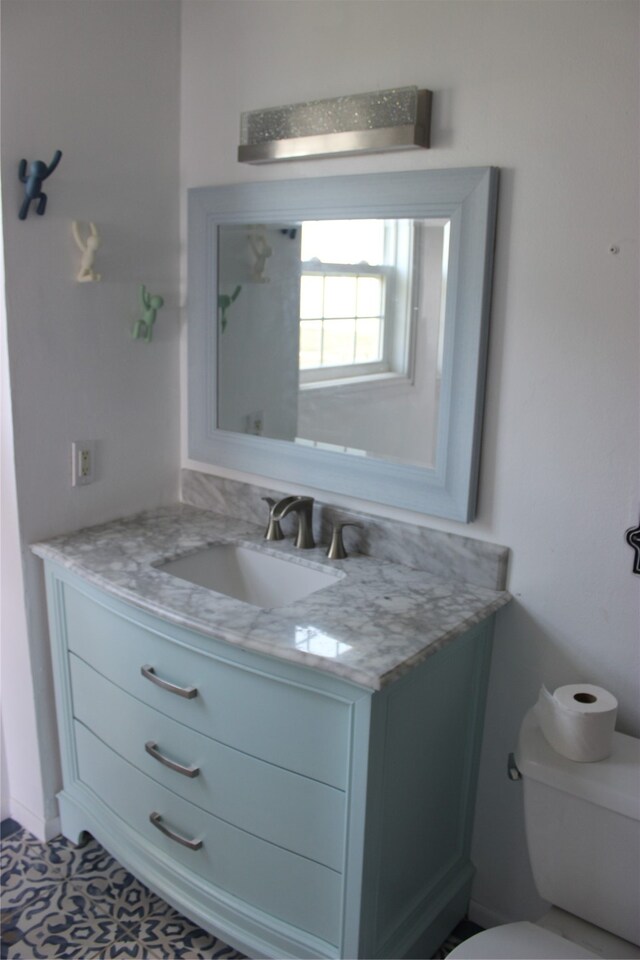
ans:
(330, 334)
(337, 332)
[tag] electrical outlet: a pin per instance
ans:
(82, 462)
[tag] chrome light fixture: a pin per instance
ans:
(364, 123)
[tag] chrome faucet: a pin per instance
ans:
(303, 506)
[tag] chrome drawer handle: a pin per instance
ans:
(156, 820)
(152, 750)
(188, 692)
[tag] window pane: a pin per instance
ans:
(310, 344)
(368, 340)
(369, 296)
(340, 296)
(339, 342)
(311, 289)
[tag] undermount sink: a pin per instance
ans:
(250, 575)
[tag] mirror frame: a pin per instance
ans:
(465, 196)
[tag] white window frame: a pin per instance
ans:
(398, 317)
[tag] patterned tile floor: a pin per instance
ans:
(63, 901)
(78, 903)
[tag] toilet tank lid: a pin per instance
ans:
(613, 783)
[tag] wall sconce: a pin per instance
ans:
(364, 123)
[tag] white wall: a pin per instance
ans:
(548, 92)
(99, 81)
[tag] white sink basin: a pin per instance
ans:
(250, 575)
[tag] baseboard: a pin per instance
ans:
(486, 917)
(42, 829)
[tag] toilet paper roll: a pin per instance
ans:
(578, 721)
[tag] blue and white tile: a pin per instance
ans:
(62, 901)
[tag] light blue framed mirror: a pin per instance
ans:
(338, 332)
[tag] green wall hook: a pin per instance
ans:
(151, 303)
(224, 302)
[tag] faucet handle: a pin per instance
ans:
(336, 549)
(273, 531)
(303, 506)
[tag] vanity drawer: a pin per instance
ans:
(278, 721)
(294, 889)
(296, 813)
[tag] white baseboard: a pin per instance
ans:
(485, 916)
(42, 829)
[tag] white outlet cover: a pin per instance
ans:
(82, 462)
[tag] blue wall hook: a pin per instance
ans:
(38, 171)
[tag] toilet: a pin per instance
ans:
(583, 834)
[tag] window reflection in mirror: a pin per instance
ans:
(330, 333)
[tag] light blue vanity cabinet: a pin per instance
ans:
(291, 812)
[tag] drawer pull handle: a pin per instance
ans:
(156, 820)
(188, 692)
(152, 750)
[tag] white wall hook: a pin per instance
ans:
(261, 252)
(88, 249)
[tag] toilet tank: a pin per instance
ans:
(583, 829)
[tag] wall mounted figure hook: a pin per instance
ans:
(88, 249)
(38, 171)
(151, 303)
(261, 252)
(224, 302)
(632, 536)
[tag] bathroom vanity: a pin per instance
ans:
(298, 780)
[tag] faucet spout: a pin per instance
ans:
(303, 507)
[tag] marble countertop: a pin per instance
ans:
(377, 621)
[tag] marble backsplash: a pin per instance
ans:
(440, 554)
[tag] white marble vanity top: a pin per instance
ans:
(376, 622)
